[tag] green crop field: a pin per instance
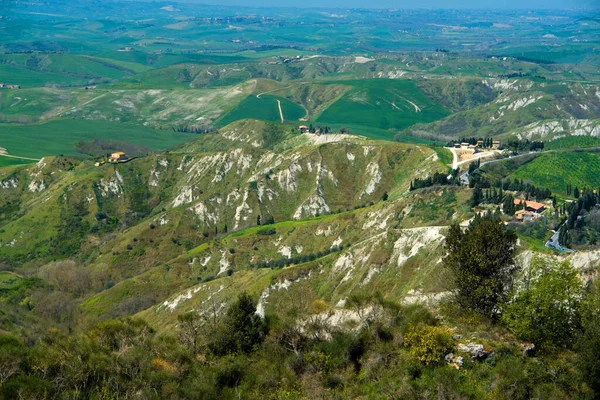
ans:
(384, 104)
(58, 137)
(264, 108)
(9, 161)
(77, 65)
(27, 78)
(577, 168)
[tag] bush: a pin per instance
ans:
(547, 311)
(429, 344)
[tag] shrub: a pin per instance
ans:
(429, 344)
(547, 310)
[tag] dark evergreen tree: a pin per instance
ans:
(481, 260)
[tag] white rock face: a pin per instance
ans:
(186, 196)
(336, 242)
(224, 263)
(560, 128)
(312, 206)
(285, 251)
(111, 186)
(287, 177)
(243, 211)
(10, 183)
(375, 173)
(201, 210)
(412, 240)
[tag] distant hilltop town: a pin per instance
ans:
(7, 86)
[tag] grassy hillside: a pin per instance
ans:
(383, 104)
(556, 170)
(523, 108)
(58, 137)
(264, 108)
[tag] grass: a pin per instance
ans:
(9, 280)
(58, 137)
(264, 108)
(66, 64)
(444, 155)
(9, 161)
(384, 104)
(555, 170)
(27, 78)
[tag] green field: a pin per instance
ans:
(577, 168)
(27, 78)
(58, 137)
(8, 161)
(384, 104)
(75, 65)
(31, 102)
(264, 108)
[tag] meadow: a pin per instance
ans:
(26, 78)
(59, 136)
(384, 104)
(9, 161)
(580, 169)
(263, 108)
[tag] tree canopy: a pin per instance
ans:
(481, 260)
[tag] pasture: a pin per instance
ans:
(383, 104)
(59, 136)
(264, 108)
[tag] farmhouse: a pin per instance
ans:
(496, 144)
(526, 216)
(531, 206)
(303, 128)
(118, 156)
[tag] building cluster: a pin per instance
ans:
(477, 146)
(7, 86)
(530, 211)
(119, 156)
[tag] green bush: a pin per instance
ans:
(547, 310)
(429, 344)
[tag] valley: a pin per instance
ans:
(202, 201)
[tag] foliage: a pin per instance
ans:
(588, 343)
(429, 344)
(481, 260)
(545, 309)
(243, 330)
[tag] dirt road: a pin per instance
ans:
(280, 111)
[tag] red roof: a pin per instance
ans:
(530, 204)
